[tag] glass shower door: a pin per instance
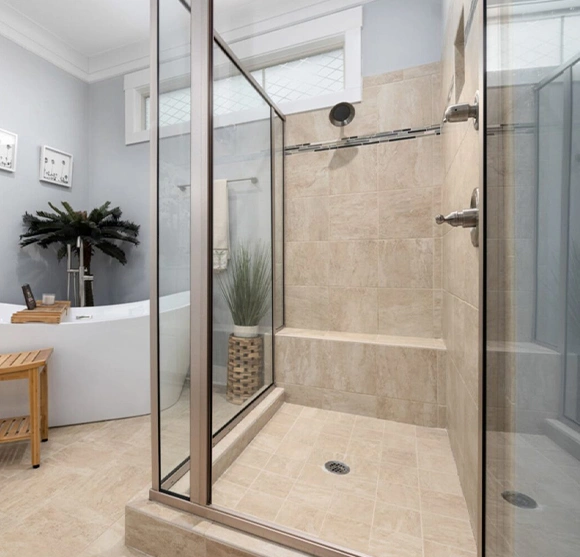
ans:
(532, 447)
(242, 366)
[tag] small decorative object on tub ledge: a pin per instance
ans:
(246, 287)
(28, 296)
(100, 229)
(51, 314)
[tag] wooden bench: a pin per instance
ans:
(33, 366)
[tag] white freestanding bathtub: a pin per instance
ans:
(100, 366)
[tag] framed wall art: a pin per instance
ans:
(8, 148)
(56, 167)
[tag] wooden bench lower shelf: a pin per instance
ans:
(14, 429)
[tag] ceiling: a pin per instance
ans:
(99, 39)
(92, 27)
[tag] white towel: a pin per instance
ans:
(221, 225)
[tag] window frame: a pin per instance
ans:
(339, 30)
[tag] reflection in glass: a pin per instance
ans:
(174, 260)
(242, 243)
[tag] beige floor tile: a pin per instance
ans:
(399, 495)
(273, 484)
(399, 474)
(260, 505)
(294, 450)
(443, 483)
(310, 495)
(439, 462)
(399, 428)
(364, 448)
(266, 443)
(255, 458)
(346, 532)
(302, 517)
(444, 504)
(285, 466)
(339, 429)
(395, 544)
(317, 476)
(432, 549)
(241, 474)
(352, 506)
(227, 494)
(332, 442)
(448, 531)
(399, 457)
(402, 442)
(391, 518)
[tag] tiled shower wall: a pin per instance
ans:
(363, 254)
(461, 153)
(363, 258)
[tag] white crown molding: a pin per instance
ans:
(322, 8)
(31, 36)
(34, 38)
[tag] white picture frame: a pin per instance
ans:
(8, 150)
(56, 167)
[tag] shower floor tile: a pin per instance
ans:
(402, 497)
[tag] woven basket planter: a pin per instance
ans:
(245, 368)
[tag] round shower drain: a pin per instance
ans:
(337, 467)
(520, 500)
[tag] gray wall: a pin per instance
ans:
(400, 34)
(118, 173)
(44, 106)
(47, 106)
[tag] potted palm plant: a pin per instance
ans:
(99, 230)
(246, 288)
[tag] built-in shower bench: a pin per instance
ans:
(391, 377)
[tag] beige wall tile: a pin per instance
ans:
(307, 307)
(353, 367)
(353, 309)
(354, 263)
(433, 68)
(406, 164)
(406, 213)
(307, 174)
(406, 263)
(302, 361)
(352, 403)
(306, 219)
(354, 216)
(418, 413)
(301, 394)
(307, 264)
(407, 373)
(406, 312)
(353, 170)
(406, 104)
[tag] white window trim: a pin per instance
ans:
(338, 30)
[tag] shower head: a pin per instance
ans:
(341, 114)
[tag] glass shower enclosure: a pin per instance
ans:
(532, 444)
(219, 243)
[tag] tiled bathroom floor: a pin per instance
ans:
(74, 504)
(402, 497)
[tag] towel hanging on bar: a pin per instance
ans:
(221, 225)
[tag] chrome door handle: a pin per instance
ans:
(468, 218)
